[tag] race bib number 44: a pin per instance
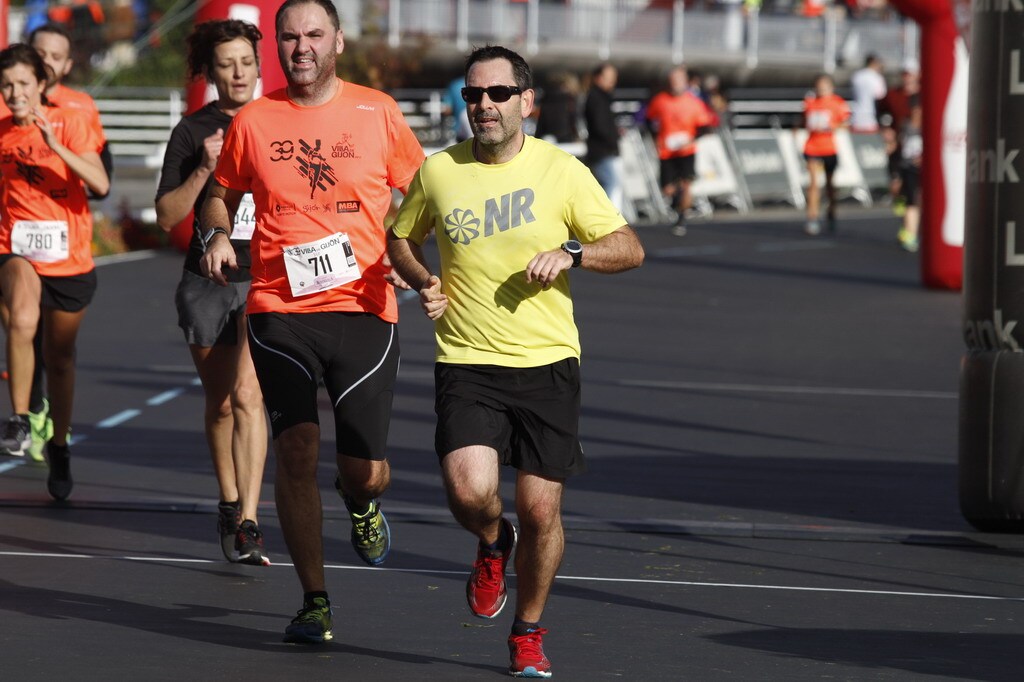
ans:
(245, 218)
(321, 265)
(41, 241)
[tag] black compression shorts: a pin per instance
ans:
(355, 354)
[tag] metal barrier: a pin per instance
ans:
(138, 123)
(605, 29)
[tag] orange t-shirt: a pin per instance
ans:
(678, 118)
(66, 98)
(45, 214)
(315, 172)
(822, 115)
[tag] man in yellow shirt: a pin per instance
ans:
(512, 215)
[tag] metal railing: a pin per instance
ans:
(608, 29)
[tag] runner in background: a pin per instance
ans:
(911, 149)
(48, 159)
(321, 158)
(211, 316)
(678, 117)
(53, 43)
(824, 113)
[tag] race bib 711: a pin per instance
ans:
(320, 265)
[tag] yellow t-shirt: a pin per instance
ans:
(490, 221)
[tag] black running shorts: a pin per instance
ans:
(71, 293)
(529, 415)
(355, 354)
(208, 313)
(831, 162)
(676, 168)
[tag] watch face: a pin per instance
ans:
(573, 246)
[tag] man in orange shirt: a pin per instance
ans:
(53, 43)
(824, 113)
(678, 117)
(320, 157)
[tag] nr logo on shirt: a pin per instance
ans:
(503, 213)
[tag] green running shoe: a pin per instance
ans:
(313, 623)
(371, 535)
(41, 427)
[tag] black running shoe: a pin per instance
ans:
(59, 480)
(228, 517)
(16, 437)
(249, 543)
(313, 623)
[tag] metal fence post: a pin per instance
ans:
(753, 25)
(394, 27)
(462, 25)
(532, 27)
(678, 9)
(605, 51)
(831, 33)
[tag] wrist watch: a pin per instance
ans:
(574, 249)
(213, 233)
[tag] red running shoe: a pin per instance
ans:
(485, 590)
(527, 654)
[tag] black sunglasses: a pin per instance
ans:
(497, 93)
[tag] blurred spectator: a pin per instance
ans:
(678, 117)
(894, 109)
(559, 109)
(716, 101)
(813, 8)
(868, 87)
(911, 147)
(456, 106)
(602, 132)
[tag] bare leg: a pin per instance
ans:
(362, 480)
(814, 168)
(216, 367)
(471, 482)
(21, 290)
(298, 502)
(541, 543)
(60, 335)
(249, 437)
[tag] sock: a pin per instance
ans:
(522, 627)
(35, 398)
(308, 597)
(230, 504)
(501, 541)
(350, 504)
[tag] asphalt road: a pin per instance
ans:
(771, 425)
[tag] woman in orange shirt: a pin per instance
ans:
(824, 113)
(48, 159)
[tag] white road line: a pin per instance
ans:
(162, 398)
(11, 464)
(118, 419)
(798, 390)
(804, 245)
(128, 257)
(578, 578)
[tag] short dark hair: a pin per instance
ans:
(599, 69)
(23, 53)
(50, 27)
(520, 69)
(328, 6)
(872, 59)
(209, 34)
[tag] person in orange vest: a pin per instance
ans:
(678, 117)
(824, 113)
